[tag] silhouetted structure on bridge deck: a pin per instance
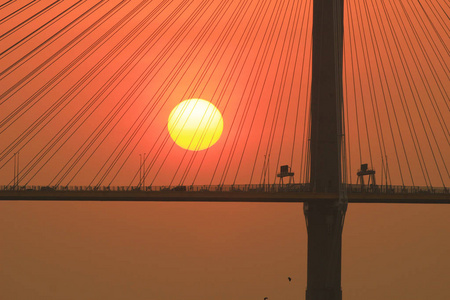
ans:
(285, 172)
(364, 171)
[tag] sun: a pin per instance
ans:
(195, 124)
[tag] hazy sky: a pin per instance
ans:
(214, 251)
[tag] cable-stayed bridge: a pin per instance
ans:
(324, 87)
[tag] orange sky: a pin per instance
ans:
(252, 62)
(217, 251)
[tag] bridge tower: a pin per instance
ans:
(324, 218)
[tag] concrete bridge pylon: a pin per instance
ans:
(325, 219)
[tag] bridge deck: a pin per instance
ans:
(279, 194)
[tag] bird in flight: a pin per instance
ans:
(289, 278)
(266, 298)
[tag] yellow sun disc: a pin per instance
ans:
(195, 124)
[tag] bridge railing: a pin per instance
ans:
(192, 188)
(395, 189)
(268, 188)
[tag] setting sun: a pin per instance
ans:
(195, 124)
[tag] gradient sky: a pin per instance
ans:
(104, 95)
(219, 251)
